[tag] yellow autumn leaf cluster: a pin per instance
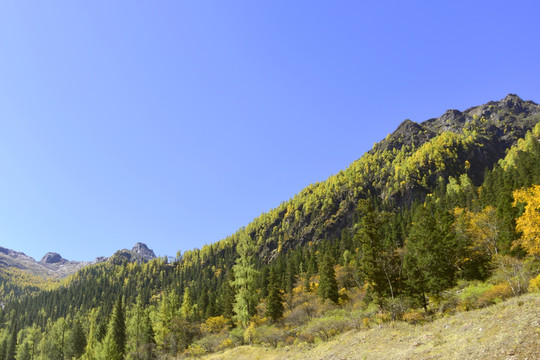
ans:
(529, 222)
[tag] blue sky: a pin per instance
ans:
(174, 123)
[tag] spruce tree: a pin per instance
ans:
(274, 301)
(12, 344)
(148, 339)
(3, 348)
(225, 301)
(371, 249)
(78, 340)
(328, 287)
(115, 340)
(187, 310)
(431, 253)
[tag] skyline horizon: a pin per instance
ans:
(175, 253)
(177, 123)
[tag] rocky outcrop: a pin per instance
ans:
(140, 253)
(52, 258)
(143, 251)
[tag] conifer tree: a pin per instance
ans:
(244, 282)
(78, 343)
(115, 340)
(12, 344)
(274, 301)
(371, 249)
(187, 310)
(226, 297)
(3, 348)
(328, 287)
(430, 256)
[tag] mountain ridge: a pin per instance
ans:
(53, 265)
(393, 236)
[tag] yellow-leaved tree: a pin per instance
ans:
(529, 222)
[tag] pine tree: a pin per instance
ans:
(78, 340)
(430, 257)
(187, 310)
(12, 344)
(148, 339)
(274, 301)
(115, 340)
(225, 301)
(3, 348)
(371, 249)
(328, 287)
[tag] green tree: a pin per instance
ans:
(52, 344)
(371, 248)
(148, 342)
(12, 344)
(274, 301)
(114, 344)
(92, 344)
(3, 348)
(430, 258)
(168, 310)
(244, 282)
(187, 310)
(24, 352)
(78, 340)
(226, 297)
(328, 287)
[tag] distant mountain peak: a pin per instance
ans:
(514, 102)
(52, 258)
(143, 250)
(140, 253)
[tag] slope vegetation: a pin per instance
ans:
(510, 330)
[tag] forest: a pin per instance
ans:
(436, 219)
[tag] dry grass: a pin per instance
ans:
(509, 330)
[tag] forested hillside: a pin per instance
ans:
(438, 217)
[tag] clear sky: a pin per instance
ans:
(175, 123)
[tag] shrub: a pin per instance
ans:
(534, 284)
(414, 316)
(195, 350)
(396, 307)
(469, 295)
(302, 313)
(365, 322)
(226, 344)
(212, 342)
(495, 294)
(513, 271)
(270, 335)
(448, 302)
(249, 334)
(237, 336)
(214, 325)
(383, 317)
(328, 326)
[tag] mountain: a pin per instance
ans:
(54, 266)
(51, 265)
(140, 253)
(427, 223)
(399, 170)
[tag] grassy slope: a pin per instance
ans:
(510, 330)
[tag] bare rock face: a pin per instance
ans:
(52, 258)
(143, 251)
